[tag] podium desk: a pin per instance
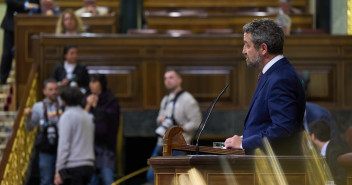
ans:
(168, 169)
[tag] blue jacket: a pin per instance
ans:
(276, 111)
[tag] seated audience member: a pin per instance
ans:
(316, 112)
(47, 7)
(105, 110)
(283, 19)
(69, 72)
(90, 9)
(75, 153)
(320, 134)
(46, 114)
(69, 23)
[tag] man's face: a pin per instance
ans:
(51, 91)
(71, 55)
(172, 81)
(253, 58)
(46, 4)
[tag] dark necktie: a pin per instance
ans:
(260, 76)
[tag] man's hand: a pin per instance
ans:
(58, 180)
(28, 111)
(233, 142)
(49, 12)
(64, 82)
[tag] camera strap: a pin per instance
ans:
(45, 112)
(173, 106)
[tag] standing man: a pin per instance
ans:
(46, 114)
(277, 107)
(13, 7)
(177, 108)
(75, 153)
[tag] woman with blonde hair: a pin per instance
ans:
(69, 23)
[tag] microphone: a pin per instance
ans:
(203, 123)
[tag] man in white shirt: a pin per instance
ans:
(91, 9)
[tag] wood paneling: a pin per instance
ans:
(218, 3)
(242, 169)
(198, 24)
(135, 66)
(347, 83)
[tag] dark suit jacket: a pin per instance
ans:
(14, 6)
(276, 111)
(82, 76)
(333, 151)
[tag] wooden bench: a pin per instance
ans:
(200, 23)
(135, 66)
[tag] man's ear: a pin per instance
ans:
(263, 49)
(313, 137)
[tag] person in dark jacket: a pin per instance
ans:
(69, 72)
(13, 7)
(319, 131)
(105, 110)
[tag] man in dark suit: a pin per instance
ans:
(13, 7)
(330, 149)
(277, 107)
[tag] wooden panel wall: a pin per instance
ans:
(219, 3)
(135, 66)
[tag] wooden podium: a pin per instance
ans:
(174, 140)
(218, 169)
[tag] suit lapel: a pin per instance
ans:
(260, 85)
(262, 82)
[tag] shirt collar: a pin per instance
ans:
(271, 63)
(323, 150)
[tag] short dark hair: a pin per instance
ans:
(174, 70)
(49, 80)
(71, 95)
(101, 78)
(266, 31)
(68, 47)
(321, 130)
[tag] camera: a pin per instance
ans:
(160, 131)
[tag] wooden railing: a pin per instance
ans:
(14, 163)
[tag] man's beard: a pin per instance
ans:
(257, 62)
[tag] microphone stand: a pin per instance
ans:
(203, 123)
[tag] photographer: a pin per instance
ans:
(177, 108)
(46, 114)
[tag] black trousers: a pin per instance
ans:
(7, 55)
(77, 176)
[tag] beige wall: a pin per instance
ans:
(339, 17)
(2, 13)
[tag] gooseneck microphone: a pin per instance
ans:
(203, 123)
